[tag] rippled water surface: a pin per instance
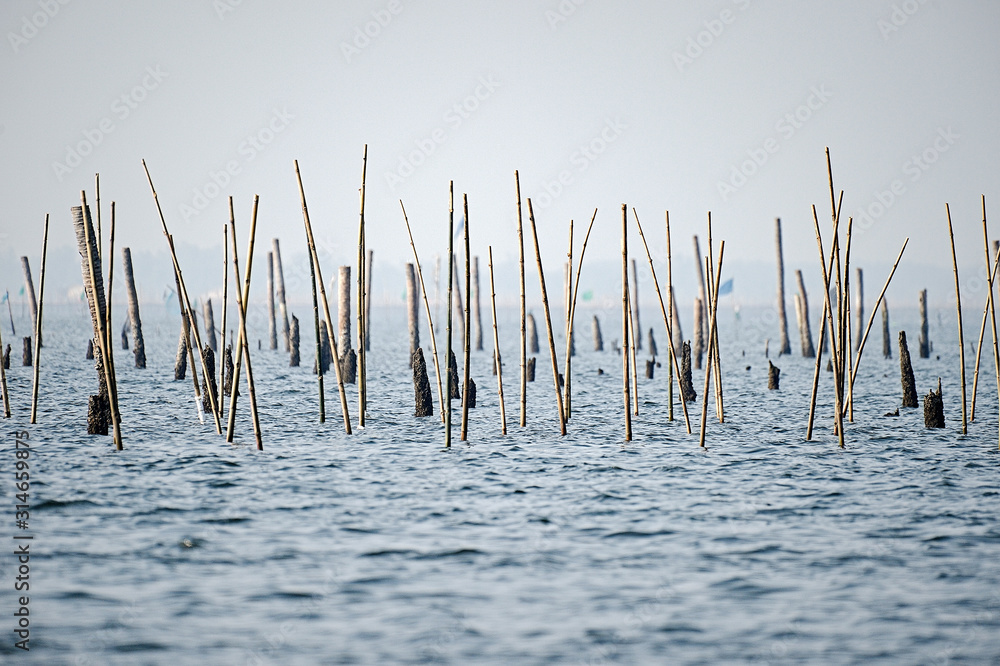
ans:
(383, 547)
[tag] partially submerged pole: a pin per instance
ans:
(138, 344)
(423, 402)
(209, 314)
(272, 327)
(279, 276)
(362, 300)
(29, 290)
(524, 350)
(319, 341)
(497, 360)
(293, 343)
(698, 346)
(451, 276)
(348, 358)
(713, 339)
(858, 306)
(532, 334)
(805, 329)
(961, 334)
(548, 323)
(701, 284)
(786, 347)
(925, 344)
(38, 323)
(467, 327)
(934, 408)
(412, 310)
(886, 340)
(598, 338)
(906, 373)
(3, 378)
(625, 327)
(636, 322)
(476, 312)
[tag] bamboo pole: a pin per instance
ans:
(38, 325)
(875, 307)
(242, 296)
(572, 313)
(993, 313)
(97, 193)
(567, 382)
(630, 350)
(636, 322)
(476, 310)
(319, 342)
(828, 311)
(225, 309)
(524, 339)
(702, 287)
(272, 324)
(625, 327)
(326, 304)
(427, 307)
(816, 371)
(102, 336)
(670, 306)
(183, 294)
(496, 348)
(412, 310)
(712, 338)
(548, 322)
(674, 365)
(109, 308)
(467, 328)
(451, 276)
(991, 277)
(362, 296)
(713, 356)
(958, 304)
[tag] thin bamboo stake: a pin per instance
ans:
(630, 349)
(496, 348)
(102, 334)
(548, 322)
(186, 300)
(451, 309)
(712, 339)
(625, 327)
(97, 194)
(362, 296)
(319, 342)
(713, 357)
(846, 359)
(326, 304)
(815, 384)
(568, 393)
(828, 310)
(225, 308)
(958, 304)
(108, 309)
(871, 317)
(670, 336)
(468, 323)
(674, 366)
(524, 338)
(991, 277)
(242, 296)
(38, 324)
(427, 307)
(572, 312)
(993, 312)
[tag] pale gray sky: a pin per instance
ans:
(660, 105)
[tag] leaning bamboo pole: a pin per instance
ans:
(451, 309)
(828, 312)
(326, 304)
(427, 307)
(993, 315)
(816, 371)
(714, 356)
(242, 295)
(225, 308)
(625, 327)
(630, 350)
(674, 365)
(38, 324)
(548, 322)
(712, 337)
(97, 311)
(496, 348)
(524, 338)
(184, 295)
(362, 296)
(958, 304)
(991, 277)
(108, 309)
(572, 313)
(467, 329)
(567, 382)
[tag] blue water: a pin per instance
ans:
(383, 547)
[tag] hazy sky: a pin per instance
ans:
(723, 105)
